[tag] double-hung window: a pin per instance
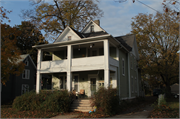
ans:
(132, 84)
(25, 88)
(123, 67)
(27, 62)
(26, 74)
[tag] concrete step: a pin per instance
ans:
(81, 104)
(84, 110)
(82, 101)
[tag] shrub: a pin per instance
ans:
(56, 101)
(106, 101)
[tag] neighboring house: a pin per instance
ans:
(90, 59)
(18, 85)
(175, 88)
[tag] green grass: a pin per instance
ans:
(173, 105)
(170, 110)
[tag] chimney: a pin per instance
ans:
(97, 22)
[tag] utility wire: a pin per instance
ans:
(148, 6)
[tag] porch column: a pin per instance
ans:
(69, 74)
(117, 53)
(106, 64)
(129, 78)
(38, 75)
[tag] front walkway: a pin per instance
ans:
(142, 113)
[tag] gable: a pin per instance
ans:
(67, 32)
(135, 49)
(30, 61)
(87, 28)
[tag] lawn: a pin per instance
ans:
(8, 112)
(170, 110)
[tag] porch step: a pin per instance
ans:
(83, 105)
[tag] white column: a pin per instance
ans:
(38, 75)
(129, 78)
(117, 54)
(106, 64)
(69, 74)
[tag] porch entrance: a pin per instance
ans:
(63, 81)
(93, 85)
(92, 79)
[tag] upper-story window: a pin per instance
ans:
(26, 74)
(27, 62)
(131, 65)
(132, 84)
(123, 67)
(92, 28)
(69, 38)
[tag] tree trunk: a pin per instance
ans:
(168, 89)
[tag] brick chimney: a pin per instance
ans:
(97, 22)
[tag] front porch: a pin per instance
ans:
(72, 66)
(89, 81)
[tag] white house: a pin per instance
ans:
(90, 59)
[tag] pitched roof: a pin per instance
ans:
(122, 40)
(22, 58)
(78, 33)
(86, 35)
(129, 39)
(94, 34)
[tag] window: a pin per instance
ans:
(135, 81)
(131, 65)
(69, 38)
(92, 28)
(132, 84)
(26, 74)
(27, 62)
(123, 67)
(76, 83)
(25, 88)
(134, 66)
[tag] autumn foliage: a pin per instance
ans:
(157, 38)
(53, 17)
(9, 53)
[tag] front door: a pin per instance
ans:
(92, 85)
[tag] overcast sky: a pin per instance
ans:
(117, 16)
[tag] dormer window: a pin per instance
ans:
(27, 62)
(69, 38)
(92, 28)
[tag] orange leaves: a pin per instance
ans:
(9, 52)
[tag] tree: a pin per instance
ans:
(9, 53)
(157, 38)
(30, 36)
(54, 16)
(171, 5)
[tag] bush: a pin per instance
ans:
(106, 101)
(56, 101)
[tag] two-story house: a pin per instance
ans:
(90, 59)
(18, 85)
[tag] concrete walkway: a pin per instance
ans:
(142, 113)
(66, 116)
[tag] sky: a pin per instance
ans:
(117, 16)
